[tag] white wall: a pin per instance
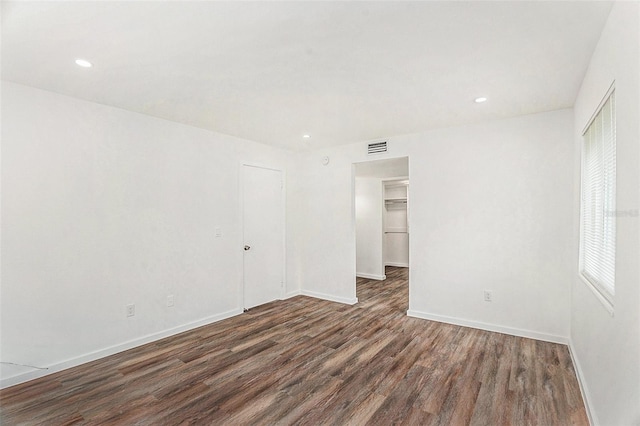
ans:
(368, 206)
(607, 348)
(102, 208)
(491, 208)
(325, 224)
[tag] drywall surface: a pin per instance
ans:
(368, 205)
(102, 208)
(491, 208)
(326, 237)
(606, 347)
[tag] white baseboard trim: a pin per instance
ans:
(490, 327)
(111, 350)
(371, 276)
(593, 420)
(398, 264)
(293, 294)
(330, 298)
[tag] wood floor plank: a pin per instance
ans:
(399, 403)
(306, 361)
(494, 379)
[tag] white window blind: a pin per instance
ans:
(598, 204)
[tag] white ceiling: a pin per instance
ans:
(339, 71)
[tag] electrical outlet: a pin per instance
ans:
(170, 300)
(131, 310)
(488, 297)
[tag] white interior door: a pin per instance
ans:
(263, 231)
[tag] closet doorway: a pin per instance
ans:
(382, 217)
(395, 217)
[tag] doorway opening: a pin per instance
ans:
(382, 218)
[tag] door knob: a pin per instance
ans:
(246, 248)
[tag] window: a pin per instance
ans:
(598, 202)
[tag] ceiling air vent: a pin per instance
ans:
(377, 147)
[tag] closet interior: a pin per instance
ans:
(396, 223)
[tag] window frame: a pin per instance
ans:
(601, 291)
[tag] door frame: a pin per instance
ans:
(241, 242)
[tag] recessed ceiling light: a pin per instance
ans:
(83, 63)
(480, 100)
(306, 136)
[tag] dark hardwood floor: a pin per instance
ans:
(308, 361)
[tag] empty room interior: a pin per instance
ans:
(221, 212)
